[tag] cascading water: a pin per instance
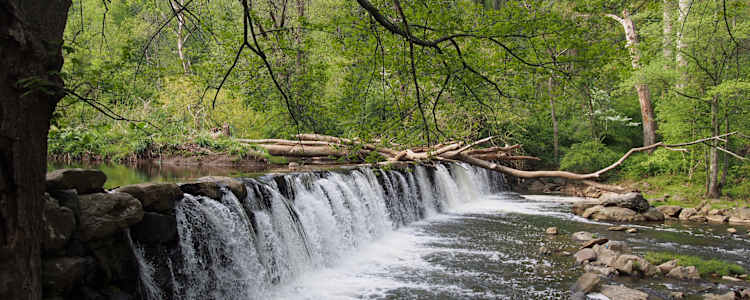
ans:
(293, 224)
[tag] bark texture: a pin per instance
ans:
(30, 59)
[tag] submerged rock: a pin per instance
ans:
(156, 197)
(619, 292)
(632, 200)
(85, 181)
(582, 236)
(104, 214)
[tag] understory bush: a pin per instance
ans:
(588, 157)
(705, 266)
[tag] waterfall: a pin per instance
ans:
(295, 223)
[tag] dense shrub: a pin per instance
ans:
(659, 162)
(587, 157)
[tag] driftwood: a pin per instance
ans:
(319, 147)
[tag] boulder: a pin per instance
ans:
(592, 211)
(114, 259)
(619, 292)
(61, 274)
(697, 218)
(155, 228)
(728, 296)
(211, 187)
(683, 273)
(156, 197)
(606, 256)
(627, 263)
(632, 200)
(619, 246)
(676, 295)
(717, 219)
(591, 243)
(581, 206)
(236, 186)
(671, 211)
(616, 214)
(85, 181)
(551, 231)
(741, 213)
(103, 214)
(586, 283)
(653, 215)
(686, 213)
(69, 199)
(582, 236)
(738, 221)
(668, 266)
(59, 223)
(585, 255)
(601, 270)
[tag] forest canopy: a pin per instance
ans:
(566, 79)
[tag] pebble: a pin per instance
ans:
(552, 230)
(631, 230)
(731, 230)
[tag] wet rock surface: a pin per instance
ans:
(85, 181)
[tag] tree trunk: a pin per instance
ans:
(667, 31)
(181, 34)
(555, 143)
(644, 94)
(714, 189)
(684, 6)
(30, 48)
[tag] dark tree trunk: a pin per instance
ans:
(30, 58)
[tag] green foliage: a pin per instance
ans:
(588, 157)
(659, 162)
(706, 267)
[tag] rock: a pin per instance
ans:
(536, 186)
(591, 211)
(671, 211)
(686, 213)
(580, 206)
(156, 197)
(601, 270)
(584, 256)
(730, 278)
(676, 295)
(591, 243)
(59, 223)
(741, 213)
(617, 228)
(618, 292)
(668, 266)
(629, 263)
(745, 294)
(85, 181)
(582, 236)
(61, 274)
(617, 214)
(69, 199)
(237, 187)
(717, 219)
(631, 230)
(728, 296)
(544, 251)
(103, 214)
(632, 200)
(653, 215)
(683, 273)
(211, 187)
(115, 259)
(586, 283)
(731, 230)
(738, 221)
(619, 246)
(606, 256)
(551, 231)
(155, 228)
(697, 218)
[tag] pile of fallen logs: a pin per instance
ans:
(323, 148)
(316, 147)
